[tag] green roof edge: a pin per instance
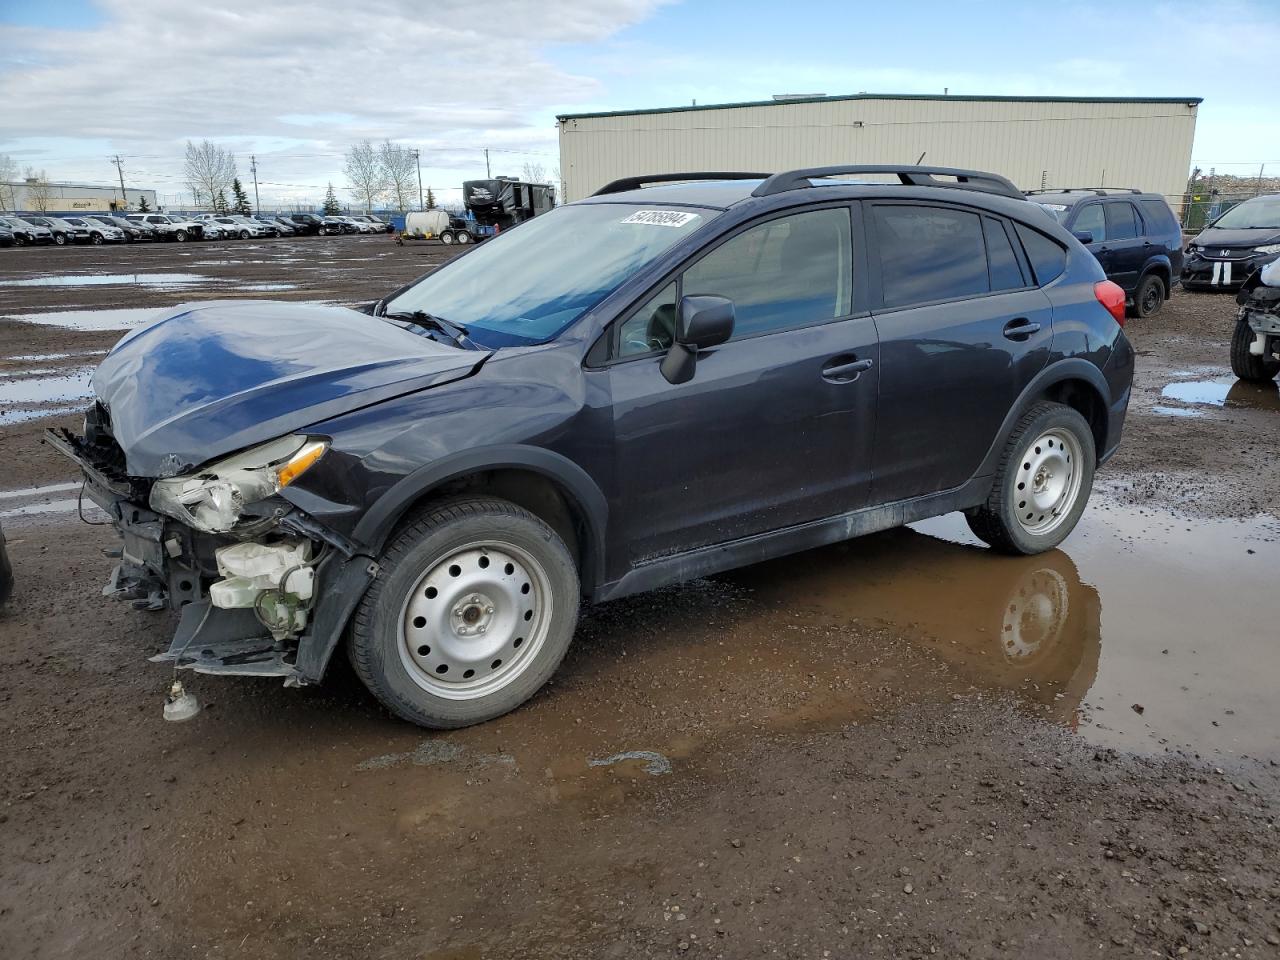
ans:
(1192, 101)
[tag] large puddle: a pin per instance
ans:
(25, 398)
(1145, 631)
(90, 320)
(113, 279)
(1224, 392)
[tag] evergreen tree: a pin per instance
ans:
(431, 199)
(331, 207)
(143, 206)
(220, 201)
(241, 204)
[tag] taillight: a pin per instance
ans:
(1111, 296)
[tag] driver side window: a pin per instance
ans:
(652, 327)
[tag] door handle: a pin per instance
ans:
(1021, 328)
(845, 369)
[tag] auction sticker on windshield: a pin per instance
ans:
(661, 218)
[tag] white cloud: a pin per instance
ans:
(310, 76)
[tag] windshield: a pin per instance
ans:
(1059, 210)
(527, 285)
(1260, 213)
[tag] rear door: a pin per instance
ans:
(776, 426)
(1126, 245)
(962, 330)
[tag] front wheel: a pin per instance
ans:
(60, 239)
(96, 239)
(473, 610)
(1249, 366)
(180, 236)
(1042, 483)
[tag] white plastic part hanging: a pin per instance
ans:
(180, 705)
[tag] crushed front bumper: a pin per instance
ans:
(165, 564)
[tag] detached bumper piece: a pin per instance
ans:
(225, 642)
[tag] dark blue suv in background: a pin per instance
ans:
(1134, 235)
(681, 374)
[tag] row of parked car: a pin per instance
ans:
(99, 228)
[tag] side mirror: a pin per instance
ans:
(1084, 236)
(701, 323)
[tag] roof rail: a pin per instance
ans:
(635, 183)
(909, 175)
(1099, 191)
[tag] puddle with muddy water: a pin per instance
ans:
(30, 397)
(114, 279)
(1225, 392)
(1145, 630)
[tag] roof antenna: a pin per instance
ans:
(920, 159)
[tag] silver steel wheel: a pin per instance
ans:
(475, 620)
(1048, 482)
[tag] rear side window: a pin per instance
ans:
(1002, 262)
(1047, 258)
(929, 253)
(1122, 221)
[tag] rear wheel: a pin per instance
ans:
(1246, 365)
(474, 608)
(447, 238)
(464, 236)
(1042, 483)
(1149, 297)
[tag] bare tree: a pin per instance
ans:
(209, 169)
(399, 173)
(365, 179)
(39, 193)
(535, 172)
(8, 175)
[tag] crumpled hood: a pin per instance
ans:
(1218, 237)
(208, 379)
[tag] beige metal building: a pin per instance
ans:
(36, 196)
(1140, 142)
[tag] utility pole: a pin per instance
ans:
(418, 159)
(487, 174)
(124, 200)
(253, 165)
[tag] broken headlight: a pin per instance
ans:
(1268, 248)
(213, 499)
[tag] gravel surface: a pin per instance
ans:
(898, 747)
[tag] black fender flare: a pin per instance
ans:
(1159, 261)
(1070, 368)
(584, 494)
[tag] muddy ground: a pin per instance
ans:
(902, 746)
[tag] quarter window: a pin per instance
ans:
(652, 327)
(1047, 258)
(929, 253)
(786, 273)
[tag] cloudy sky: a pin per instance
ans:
(296, 82)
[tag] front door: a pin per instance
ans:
(776, 426)
(962, 328)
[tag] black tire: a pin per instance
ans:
(446, 238)
(180, 236)
(60, 239)
(422, 544)
(95, 239)
(464, 237)
(1150, 296)
(997, 521)
(19, 241)
(1246, 365)
(243, 234)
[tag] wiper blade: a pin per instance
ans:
(429, 321)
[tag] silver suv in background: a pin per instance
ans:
(24, 231)
(99, 232)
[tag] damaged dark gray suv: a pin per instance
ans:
(651, 385)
